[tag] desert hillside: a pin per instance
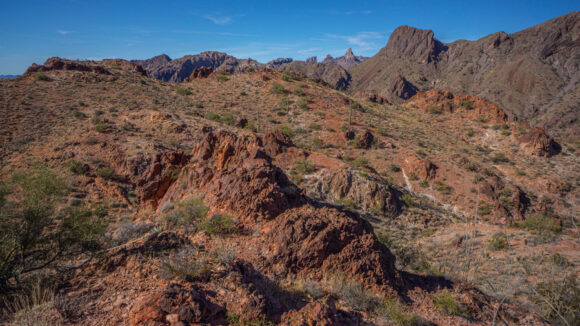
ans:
(268, 197)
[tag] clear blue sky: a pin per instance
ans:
(32, 31)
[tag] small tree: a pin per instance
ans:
(35, 235)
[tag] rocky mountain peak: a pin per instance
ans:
(412, 42)
(349, 54)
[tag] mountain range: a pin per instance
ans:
(533, 73)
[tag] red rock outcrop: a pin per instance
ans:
(423, 169)
(537, 142)
(199, 73)
(365, 193)
(445, 101)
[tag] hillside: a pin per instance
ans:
(532, 74)
(268, 197)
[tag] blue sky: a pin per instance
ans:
(32, 31)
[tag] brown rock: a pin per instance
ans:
(367, 193)
(199, 73)
(424, 169)
(315, 313)
(537, 142)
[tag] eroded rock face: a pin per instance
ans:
(406, 41)
(537, 142)
(236, 175)
(315, 242)
(365, 193)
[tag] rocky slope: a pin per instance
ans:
(259, 199)
(533, 73)
(347, 61)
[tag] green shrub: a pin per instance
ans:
(394, 311)
(394, 168)
(314, 126)
(498, 158)
(305, 166)
(212, 116)
(470, 132)
(477, 178)
(290, 76)
(382, 131)
(467, 104)
(505, 133)
(566, 187)
(187, 265)
(105, 172)
(540, 224)
(562, 295)
(278, 89)
(299, 92)
(251, 69)
(484, 208)
(408, 200)
(360, 162)
(433, 109)
(76, 167)
(303, 103)
(446, 303)
(346, 203)
(222, 78)
(442, 188)
(41, 76)
(35, 235)
(218, 224)
(469, 167)
(355, 295)
(289, 132)
(424, 183)
(186, 212)
(239, 320)
(182, 91)
(498, 242)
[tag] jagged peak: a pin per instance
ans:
(407, 41)
(349, 53)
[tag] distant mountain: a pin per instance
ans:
(347, 61)
(533, 74)
(162, 67)
(9, 76)
(177, 70)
